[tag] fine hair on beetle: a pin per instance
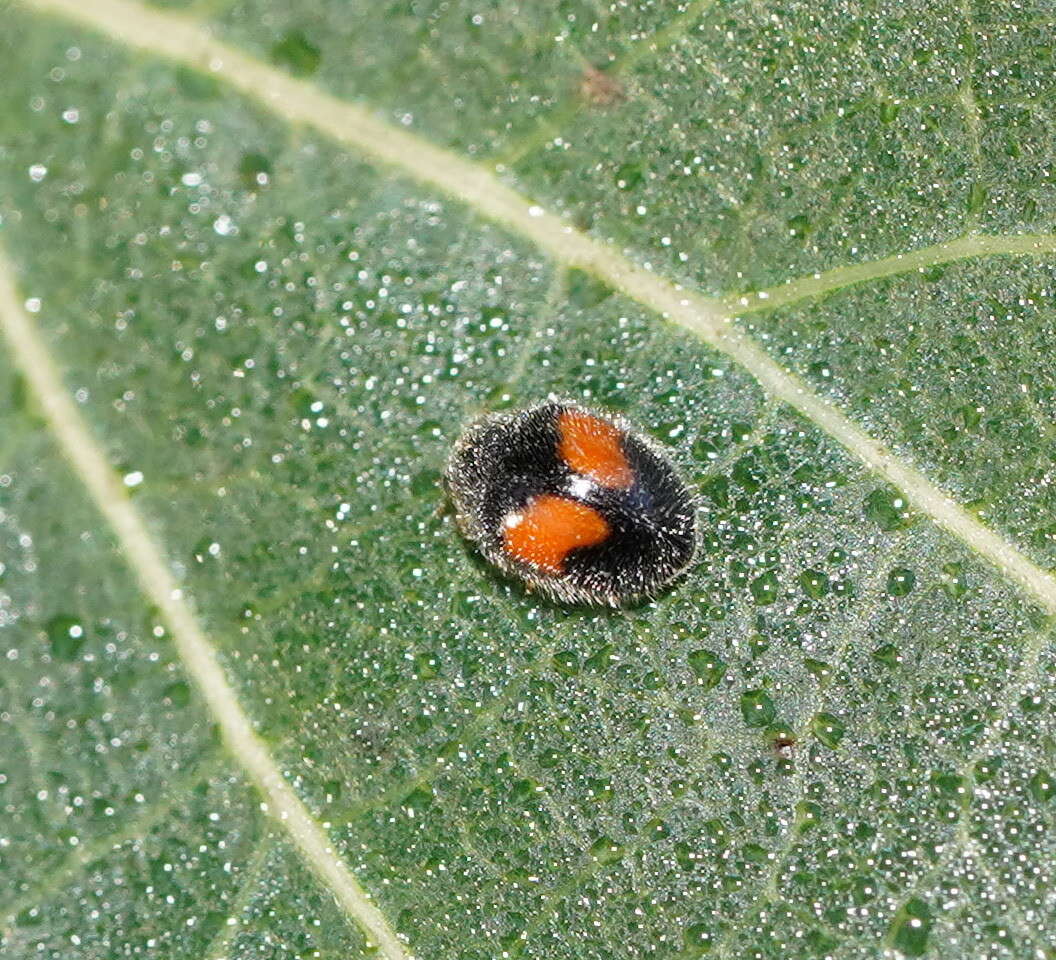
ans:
(576, 503)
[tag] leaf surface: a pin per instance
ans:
(276, 256)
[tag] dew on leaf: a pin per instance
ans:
(66, 635)
(254, 169)
(748, 473)
(828, 728)
(698, 936)
(549, 758)
(844, 588)
(717, 490)
(783, 741)
(602, 658)
(954, 579)
(900, 581)
(566, 662)
(178, 694)
(818, 668)
(629, 175)
(952, 785)
(653, 680)
(599, 789)
(765, 589)
(585, 291)
(757, 708)
(705, 450)
(605, 850)
(656, 829)
(815, 583)
(808, 815)
(967, 417)
(912, 928)
(740, 431)
(1031, 703)
(296, 53)
(524, 788)
(758, 644)
(1042, 787)
(887, 654)
(977, 197)
(723, 761)
(888, 111)
(196, 84)
(887, 508)
(708, 667)
(426, 665)
(29, 917)
(799, 225)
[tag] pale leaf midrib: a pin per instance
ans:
(146, 561)
(838, 279)
(184, 41)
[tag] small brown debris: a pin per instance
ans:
(601, 89)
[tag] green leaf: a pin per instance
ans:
(261, 264)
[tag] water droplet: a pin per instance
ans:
(888, 508)
(66, 635)
(653, 680)
(799, 225)
(717, 490)
(549, 758)
(585, 291)
(178, 694)
(757, 708)
(708, 667)
(748, 473)
(828, 728)
(602, 658)
(599, 789)
(705, 450)
(1031, 703)
(604, 850)
(977, 197)
(815, 583)
(297, 54)
(1041, 786)
(656, 829)
(819, 668)
(566, 662)
(911, 928)
(765, 588)
(426, 665)
(698, 936)
(901, 581)
(254, 169)
(808, 815)
(954, 580)
(887, 654)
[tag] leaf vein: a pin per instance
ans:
(817, 285)
(199, 655)
(184, 41)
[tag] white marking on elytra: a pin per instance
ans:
(580, 487)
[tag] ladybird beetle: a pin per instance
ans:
(576, 503)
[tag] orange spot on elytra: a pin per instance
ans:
(592, 447)
(543, 533)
